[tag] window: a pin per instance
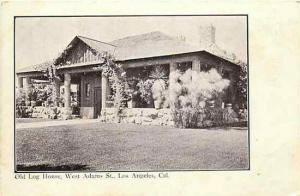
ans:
(87, 89)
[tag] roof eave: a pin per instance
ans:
(80, 65)
(166, 55)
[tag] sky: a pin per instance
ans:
(39, 39)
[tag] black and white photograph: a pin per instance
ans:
(131, 93)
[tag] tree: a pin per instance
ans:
(242, 85)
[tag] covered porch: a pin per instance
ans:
(76, 92)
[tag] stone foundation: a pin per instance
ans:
(143, 116)
(87, 112)
(49, 112)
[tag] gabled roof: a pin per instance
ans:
(98, 45)
(153, 44)
(91, 43)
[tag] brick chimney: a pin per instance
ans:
(207, 35)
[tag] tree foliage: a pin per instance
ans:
(242, 84)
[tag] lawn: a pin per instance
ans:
(99, 146)
(31, 120)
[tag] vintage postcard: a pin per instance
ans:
(143, 86)
(184, 102)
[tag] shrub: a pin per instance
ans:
(145, 89)
(20, 97)
(21, 111)
(229, 115)
(189, 93)
(33, 94)
(24, 111)
(158, 89)
(242, 85)
(243, 114)
(20, 103)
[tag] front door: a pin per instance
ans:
(97, 102)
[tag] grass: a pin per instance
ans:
(31, 120)
(99, 146)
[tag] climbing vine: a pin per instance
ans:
(117, 80)
(52, 76)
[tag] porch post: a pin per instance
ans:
(196, 66)
(232, 89)
(173, 68)
(20, 82)
(27, 88)
(67, 84)
(104, 84)
(56, 91)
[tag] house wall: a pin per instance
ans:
(81, 53)
(87, 102)
(94, 78)
(199, 60)
(196, 58)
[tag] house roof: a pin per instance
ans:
(36, 68)
(156, 43)
(146, 45)
(149, 45)
(98, 45)
(93, 44)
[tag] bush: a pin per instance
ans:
(145, 89)
(189, 117)
(242, 85)
(158, 88)
(20, 103)
(189, 93)
(243, 114)
(20, 97)
(23, 111)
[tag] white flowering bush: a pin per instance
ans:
(189, 93)
(158, 89)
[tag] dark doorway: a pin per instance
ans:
(97, 102)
